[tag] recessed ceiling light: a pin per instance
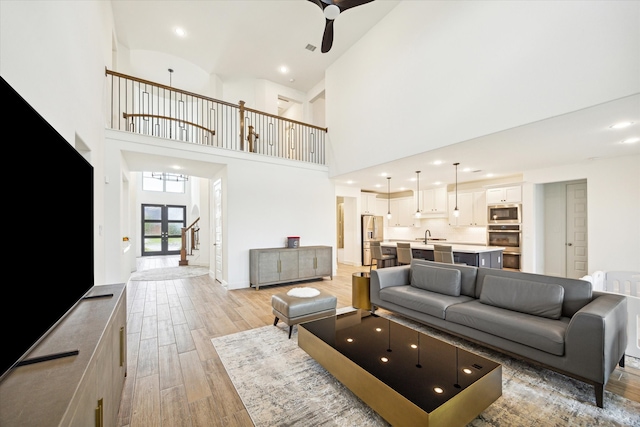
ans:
(349, 182)
(631, 140)
(180, 31)
(383, 174)
(437, 162)
(378, 185)
(437, 183)
(489, 175)
(620, 125)
(284, 69)
(466, 170)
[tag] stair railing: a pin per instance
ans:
(190, 241)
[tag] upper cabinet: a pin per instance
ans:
(368, 203)
(512, 194)
(472, 208)
(480, 208)
(402, 213)
(433, 202)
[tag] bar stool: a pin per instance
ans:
(444, 253)
(404, 253)
(381, 260)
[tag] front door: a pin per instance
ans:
(162, 229)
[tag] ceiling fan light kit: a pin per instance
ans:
(331, 10)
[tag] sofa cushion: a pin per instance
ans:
(537, 332)
(468, 275)
(538, 299)
(431, 303)
(436, 279)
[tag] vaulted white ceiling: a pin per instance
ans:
(255, 38)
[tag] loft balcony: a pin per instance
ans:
(153, 109)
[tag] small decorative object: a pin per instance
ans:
(293, 242)
(303, 292)
(125, 239)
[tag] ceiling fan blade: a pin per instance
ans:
(327, 38)
(320, 4)
(348, 4)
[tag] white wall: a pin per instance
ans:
(54, 54)
(264, 199)
(613, 200)
(448, 72)
(268, 202)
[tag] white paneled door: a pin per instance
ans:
(217, 232)
(576, 242)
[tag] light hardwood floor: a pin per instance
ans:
(175, 377)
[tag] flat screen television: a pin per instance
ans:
(49, 251)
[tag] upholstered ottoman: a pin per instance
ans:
(302, 305)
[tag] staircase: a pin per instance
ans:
(190, 242)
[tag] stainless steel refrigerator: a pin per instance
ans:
(372, 231)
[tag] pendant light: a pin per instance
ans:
(456, 212)
(417, 215)
(388, 197)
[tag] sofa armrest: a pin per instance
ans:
(597, 337)
(386, 277)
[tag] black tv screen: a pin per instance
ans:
(49, 240)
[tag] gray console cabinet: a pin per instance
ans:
(76, 391)
(271, 266)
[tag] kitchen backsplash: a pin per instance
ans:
(439, 228)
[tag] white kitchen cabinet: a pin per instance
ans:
(480, 208)
(472, 207)
(368, 203)
(402, 213)
(433, 202)
(511, 194)
(382, 207)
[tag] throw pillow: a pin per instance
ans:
(436, 279)
(525, 296)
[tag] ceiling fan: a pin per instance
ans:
(331, 10)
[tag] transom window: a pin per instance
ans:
(163, 182)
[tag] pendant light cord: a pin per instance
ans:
(388, 197)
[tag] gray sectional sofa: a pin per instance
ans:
(557, 322)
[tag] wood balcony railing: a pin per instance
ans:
(154, 109)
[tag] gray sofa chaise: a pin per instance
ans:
(556, 322)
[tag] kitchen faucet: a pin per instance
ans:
(426, 232)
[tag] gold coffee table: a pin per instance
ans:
(407, 377)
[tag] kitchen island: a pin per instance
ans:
(476, 255)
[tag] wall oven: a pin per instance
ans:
(509, 236)
(504, 214)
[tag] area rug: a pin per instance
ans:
(281, 385)
(170, 273)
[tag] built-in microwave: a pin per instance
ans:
(504, 214)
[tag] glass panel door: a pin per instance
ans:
(162, 229)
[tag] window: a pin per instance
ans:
(164, 182)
